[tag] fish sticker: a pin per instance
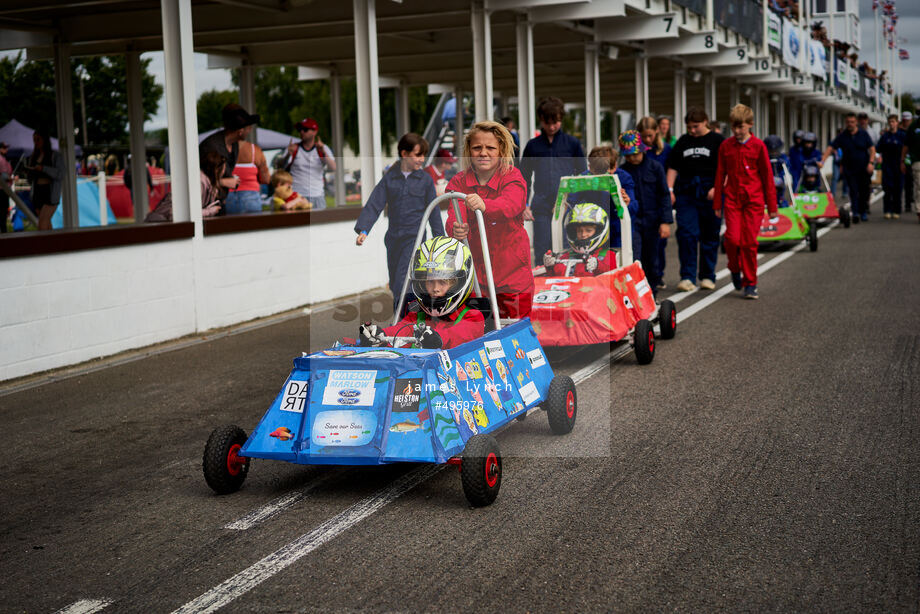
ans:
(468, 417)
(480, 414)
(461, 374)
(283, 433)
(502, 372)
(473, 370)
(493, 392)
(404, 427)
(520, 354)
(338, 353)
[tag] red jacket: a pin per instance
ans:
(462, 325)
(606, 261)
(505, 197)
(747, 168)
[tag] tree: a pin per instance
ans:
(27, 94)
(210, 104)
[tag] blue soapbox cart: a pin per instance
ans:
(353, 405)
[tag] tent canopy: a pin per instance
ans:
(19, 138)
(265, 138)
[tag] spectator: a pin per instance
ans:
(910, 153)
(6, 173)
(654, 216)
(664, 128)
(906, 118)
(889, 147)
(443, 160)
(127, 178)
(745, 177)
(658, 150)
(111, 165)
(863, 119)
(213, 168)
(498, 190)
(858, 166)
(237, 125)
(46, 173)
(691, 179)
(307, 162)
(508, 123)
(407, 191)
(252, 170)
(547, 158)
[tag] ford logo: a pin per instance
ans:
(349, 394)
(347, 401)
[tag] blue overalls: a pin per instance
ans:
(654, 210)
(890, 145)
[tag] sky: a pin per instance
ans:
(908, 34)
(206, 79)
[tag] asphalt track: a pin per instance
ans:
(767, 460)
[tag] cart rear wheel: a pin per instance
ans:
(813, 237)
(224, 469)
(667, 319)
(561, 404)
(845, 218)
(481, 470)
(644, 342)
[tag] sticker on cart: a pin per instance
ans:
(344, 427)
(407, 395)
(529, 393)
(643, 288)
(563, 280)
(444, 357)
(550, 297)
(295, 395)
(494, 349)
(350, 388)
(536, 358)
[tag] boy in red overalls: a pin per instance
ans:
(745, 178)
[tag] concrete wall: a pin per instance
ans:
(66, 308)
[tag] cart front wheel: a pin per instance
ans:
(561, 404)
(644, 342)
(224, 468)
(481, 470)
(813, 237)
(667, 319)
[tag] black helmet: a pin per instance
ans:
(774, 144)
(798, 134)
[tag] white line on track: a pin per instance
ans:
(85, 606)
(241, 583)
(273, 508)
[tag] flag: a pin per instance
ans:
(874, 5)
(903, 54)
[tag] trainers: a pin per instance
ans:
(887, 216)
(895, 216)
(864, 217)
(751, 292)
(855, 219)
(661, 285)
(736, 280)
(707, 284)
(686, 285)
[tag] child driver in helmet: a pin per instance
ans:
(441, 278)
(586, 229)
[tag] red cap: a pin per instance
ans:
(307, 124)
(447, 155)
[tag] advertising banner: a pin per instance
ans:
(817, 58)
(774, 31)
(792, 44)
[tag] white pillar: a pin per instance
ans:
(181, 113)
(806, 117)
(367, 78)
(402, 108)
(781, 117)
(709, 95)
(592, 97)
(641, 86)
(64, 108)
(793, 121)
(248, 94)
(680, 102)
(338, 134)
(525, 88)
(756, 104)
(482, 61)
(734, 96)
(136, 135)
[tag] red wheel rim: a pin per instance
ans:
(235, 462)
(673, 320)
(491, 470)
(570, 404)
(651, 340)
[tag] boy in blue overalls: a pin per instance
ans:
(407, 190)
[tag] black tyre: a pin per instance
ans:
(224, 469)
(845, 218)
(481, 470)
(644, 340)
(561, 404)
(667, 319)
(813, 237)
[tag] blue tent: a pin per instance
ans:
(88, 199)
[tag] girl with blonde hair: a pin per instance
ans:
(496, 188)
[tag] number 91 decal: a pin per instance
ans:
(549, 297)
